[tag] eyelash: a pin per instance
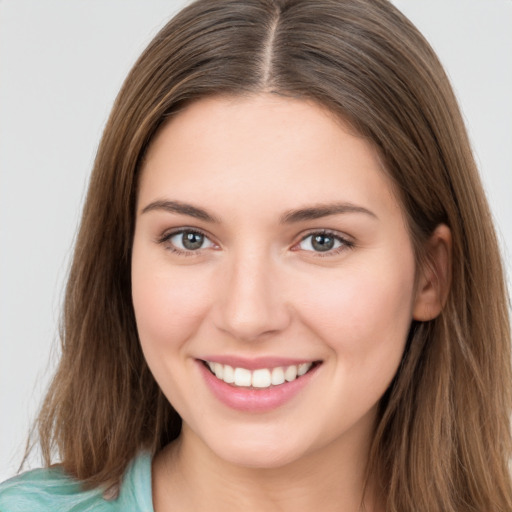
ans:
(166, 237)
(345, 244)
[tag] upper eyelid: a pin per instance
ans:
(346, 243)
(165, 240)
(336, 234)
(167, 234)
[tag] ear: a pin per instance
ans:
(435, 275)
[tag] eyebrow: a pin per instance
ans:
(181, 208)
(323, 210)
(292, 216)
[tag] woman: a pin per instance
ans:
(285, 237)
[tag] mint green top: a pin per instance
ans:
(51, 490)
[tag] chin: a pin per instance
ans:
(271, 458)
(258, 452)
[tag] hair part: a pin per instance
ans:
(442, 441)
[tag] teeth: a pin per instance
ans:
(218, 369)
(277, 376)
(243, 377)
(261, 378)
(290, 373)
(229, 374)
(303, 368)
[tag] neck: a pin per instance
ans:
(188, 476)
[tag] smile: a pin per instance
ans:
(260, 378)
(257, 385)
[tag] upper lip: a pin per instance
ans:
(257, 362)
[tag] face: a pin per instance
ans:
(273, 278)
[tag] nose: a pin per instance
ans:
(251, 301)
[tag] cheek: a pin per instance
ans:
(364, 312)
(169, 308)
(169, 305)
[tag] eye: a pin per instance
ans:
(324, 242)
(187, 240)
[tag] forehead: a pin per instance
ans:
(264, 151)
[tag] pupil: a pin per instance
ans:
(192, 241)
(322, 242)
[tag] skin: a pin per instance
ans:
(257, 287)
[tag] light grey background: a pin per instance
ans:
(61, 65)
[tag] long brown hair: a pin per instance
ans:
(442, 441)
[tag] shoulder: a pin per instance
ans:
(50, 490)
(47, 490)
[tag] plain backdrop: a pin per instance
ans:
(61, 65)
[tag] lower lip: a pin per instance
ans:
(252, 399)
